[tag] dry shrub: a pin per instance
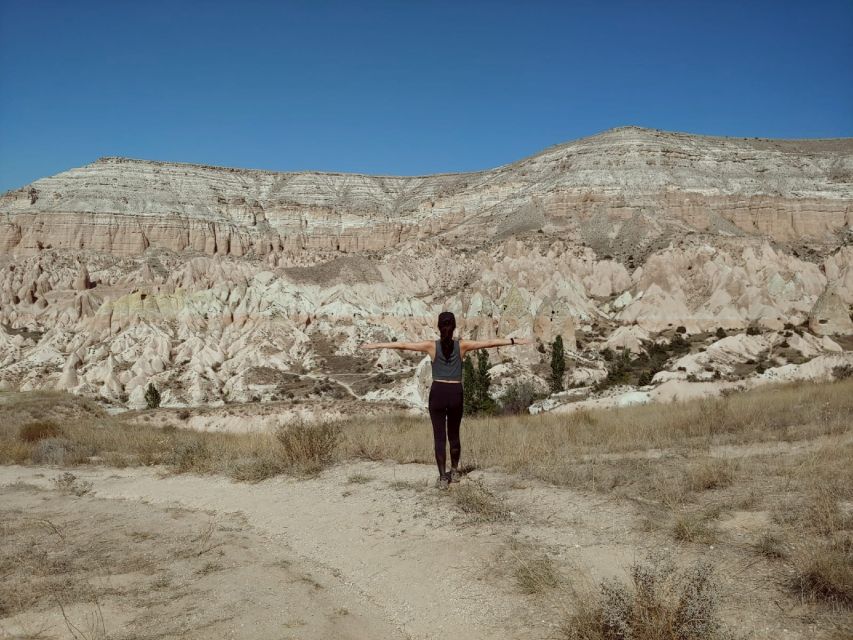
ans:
(35, 431)
(475, 499)
(58, 451)
(255, 469)
(308, 448)
(825, 572)
(711, 473)
(660, 603)
(69, 483)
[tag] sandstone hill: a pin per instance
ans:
(718, 259)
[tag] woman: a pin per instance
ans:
(445, 394)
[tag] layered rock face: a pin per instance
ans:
(620, 191)
(230, 285)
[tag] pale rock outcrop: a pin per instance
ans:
(820, 368)
(830, 315)
(630, 338)
(82, 281)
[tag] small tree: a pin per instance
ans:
(475, 382)
(152, 396)
(485, 404)
(721, 333)
(469, 386)
(558, 364)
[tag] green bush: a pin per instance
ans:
(645, 378)
(518, 397)
(678, 344)
(618, 369)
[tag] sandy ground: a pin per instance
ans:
(365, 550)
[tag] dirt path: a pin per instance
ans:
(374, 540)
(85, 567)
(379, 539)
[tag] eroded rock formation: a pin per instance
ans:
(231, 285)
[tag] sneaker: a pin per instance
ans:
(455, 475)
(443, 482)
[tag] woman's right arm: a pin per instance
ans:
(403, 346)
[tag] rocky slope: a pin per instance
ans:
(223, 285)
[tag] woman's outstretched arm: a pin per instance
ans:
(403, 346)
(472, 345)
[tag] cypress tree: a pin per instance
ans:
(558, 364)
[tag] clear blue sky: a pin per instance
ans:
(404, 87)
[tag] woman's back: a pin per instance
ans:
(444, 368)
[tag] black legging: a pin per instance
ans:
(445, 411)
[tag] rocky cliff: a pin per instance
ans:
(227, 285)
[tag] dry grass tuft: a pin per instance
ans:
(817, 511)
(770, 545)
(660, 603)
(402, 485)
(309, 448)
(690, 527)
(825, 572)
(533, 569)
(711, 473)
(475, 499)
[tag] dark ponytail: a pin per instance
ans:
(446, 326)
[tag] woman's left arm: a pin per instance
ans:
(466, 346)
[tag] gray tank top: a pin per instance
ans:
(447, 368)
